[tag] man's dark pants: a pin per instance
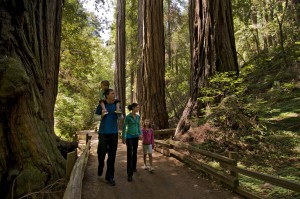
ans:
(132, 145)
(108, 143)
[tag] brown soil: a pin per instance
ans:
(171, 179)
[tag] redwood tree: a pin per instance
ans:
(29, 63)
(213, 50)
(153, 104)
(120, 53)
(139, 76)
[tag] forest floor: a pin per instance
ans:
(171, 179)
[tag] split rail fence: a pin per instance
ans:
(75, 171)
(228, 175)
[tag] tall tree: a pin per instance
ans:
(139, 76)
(169, 34)
(120, 53)
(29, 64)
(213, 48)
(153, 104)
(132, 50)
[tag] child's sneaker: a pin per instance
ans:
(145, 167)
(104, 113)
(151, 169)
(118, 112)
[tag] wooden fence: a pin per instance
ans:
(75, 172)
(228, 175)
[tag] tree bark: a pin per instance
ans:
(120, 83)
(139, 76)
(296, 11)
(29, 65)
(153, 104)
(169, 35)
(132, 45)
(213, 48)
(191, 31)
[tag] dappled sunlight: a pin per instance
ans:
(285, 115)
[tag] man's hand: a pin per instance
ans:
(124, 141)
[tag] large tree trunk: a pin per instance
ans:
(191, 31)
(120, 83)
(153, 73)
(296, 12)
(213, 51)
(139, 76)
(29, 63)
(134, 49)
(169, 34)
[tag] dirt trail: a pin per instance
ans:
(171, 179)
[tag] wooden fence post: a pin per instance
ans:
(75, 137)
(87, 138)
(234, 156)
(70, 163)
(171, 146)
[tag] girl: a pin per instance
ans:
(130, 136)
(148, 143)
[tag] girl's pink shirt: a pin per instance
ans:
(148, 136)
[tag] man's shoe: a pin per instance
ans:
(129, 178)
(100, 171)
(111, 182)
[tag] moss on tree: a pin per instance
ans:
(13, 78)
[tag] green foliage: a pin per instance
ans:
(178, 65)
(298, 51)
(260, 120)
(220, 86)
(133, 51)
(177, 91)
(264, 26)
(72, 114)
(85, 62)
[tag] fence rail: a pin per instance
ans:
(74, 186)
(170, 148)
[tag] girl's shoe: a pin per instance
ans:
(145, 167)
(151, 169)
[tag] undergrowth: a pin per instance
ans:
(258, 117)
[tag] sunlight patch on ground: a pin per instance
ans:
(285, 115)
(275, 110)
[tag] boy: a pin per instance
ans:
(104, 86)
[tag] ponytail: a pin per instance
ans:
(132, 106)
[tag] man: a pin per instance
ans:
(108, 137)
